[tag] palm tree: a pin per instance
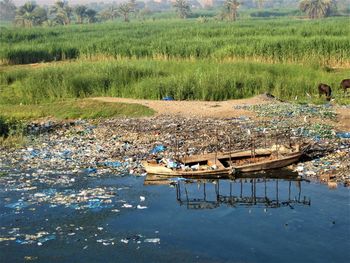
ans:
(62, 12)
(231, 7)
(182, 8)
(317, 8)
(24, 15)
(39, 16)
(80, 12)
(30, 15)
(125, 9)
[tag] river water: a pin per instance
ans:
(63, 217)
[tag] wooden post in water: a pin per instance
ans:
(241, 189)
(176, 146)
(276, 142)
(277, 192)
(289, 135)
(216, 147)
(229, 149)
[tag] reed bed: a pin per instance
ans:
(323, 42)
(153, 79)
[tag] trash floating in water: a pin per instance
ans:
(47, 238)
(2, 239)
(141, 207)
(152, 240)
(127, 206)
(40, 238)
(18, 205)
(91, 170)
(111, 164)
(125, 241)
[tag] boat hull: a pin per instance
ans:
(223, 171)
(153, 169)
(268, 165)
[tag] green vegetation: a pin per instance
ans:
(11, 132)
(183, 8)
(318, 42)
(71, 109)
(151, 79)
(13, 118)
(317, 8)
(12, 141)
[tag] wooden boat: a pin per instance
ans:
(223, 165)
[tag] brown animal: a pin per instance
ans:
(326, 90)
(345, 84)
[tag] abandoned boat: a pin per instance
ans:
(223, 165)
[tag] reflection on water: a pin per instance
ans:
(251, 192)
(129, 219)
(258, 191)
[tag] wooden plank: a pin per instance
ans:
(218, 164)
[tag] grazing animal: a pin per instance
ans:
(345, 84)
(326, 90)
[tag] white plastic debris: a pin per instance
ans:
(152, 240)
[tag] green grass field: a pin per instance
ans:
(74, 109)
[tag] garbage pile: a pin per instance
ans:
(330, 168)
(119, 145)
(288, 110)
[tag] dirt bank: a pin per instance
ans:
(220, 109)
(210, 109)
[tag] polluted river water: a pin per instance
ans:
(78, 193)
(124, 218)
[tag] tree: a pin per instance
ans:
(62, 12)
(260, 3)
(91, 15)
(231, 7)
(110, 13)
(143, 13)
(39, 16)
(182, 8)
(30, 15)
(317, 8)
(80, 12)
(125, 9)
(132, 4)
(7, 10)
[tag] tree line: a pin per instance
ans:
(61, 13)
